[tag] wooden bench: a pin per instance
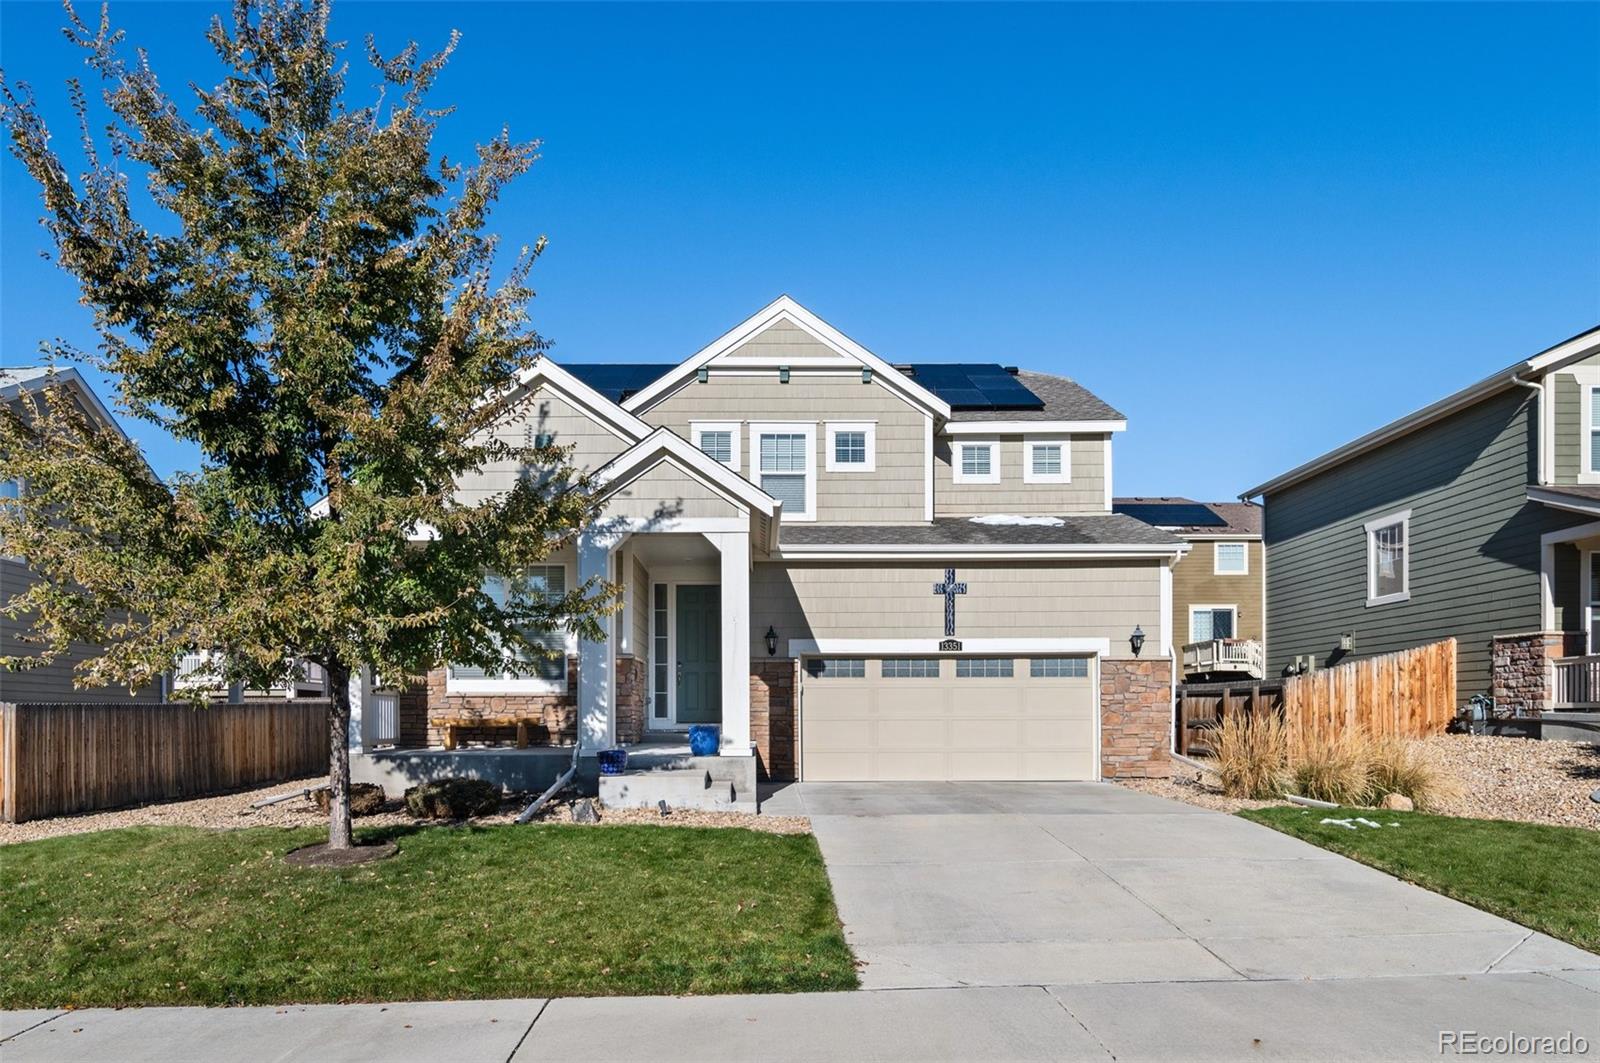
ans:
(452, 724)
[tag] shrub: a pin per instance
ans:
(1403, 766)
(1250, 755)
(453, 799)
(366, 799)
(1332, 767)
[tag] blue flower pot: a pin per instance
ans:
(704, 740)
(612, 761)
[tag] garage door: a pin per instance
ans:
(910, 718)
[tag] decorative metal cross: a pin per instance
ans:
(950, 588)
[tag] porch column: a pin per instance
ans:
(360, 699)
(735, 645)
(1547, 587)
(597, 727)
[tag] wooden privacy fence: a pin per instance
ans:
(61, 758)
(1411, 693)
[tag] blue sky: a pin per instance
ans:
(1259, 230)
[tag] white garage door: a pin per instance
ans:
(909, 718)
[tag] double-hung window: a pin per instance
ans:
(1046, 461)
(1230, 559)
(720, 441)
(1389, 558)
(523, 671)
(976, 461)
(852, 446)
(784, 457)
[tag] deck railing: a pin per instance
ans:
(196, 670)
(1241, 656)
(1577, 682)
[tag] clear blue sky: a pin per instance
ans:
(1259, 230)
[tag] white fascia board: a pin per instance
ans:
(989, 428)
(1029, 552)
(620, 421)
(69, 378)
(663, 443)
(786, 309)
(930, 647)
(1239, 537)
(1557, 500)
(1571, 535)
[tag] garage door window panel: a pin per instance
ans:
(984, 668)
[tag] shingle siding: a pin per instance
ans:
(1474, 550)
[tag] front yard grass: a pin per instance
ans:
(177, 915)
(1540, 876)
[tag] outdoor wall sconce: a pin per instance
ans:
(1136, 640)
(772, 642)
(1347, 641)
(783, 374)
(702, 375)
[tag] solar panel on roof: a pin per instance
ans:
(617, 380)
(975, 386)
(1172, 514)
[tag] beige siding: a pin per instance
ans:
(543, 411)
(52, 682)
(1086, 493)
(892, 494)
(1086, 599)
(640, 590)
(667, 492)
(783, 340)
(1194, 582)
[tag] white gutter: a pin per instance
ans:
(1014, 552)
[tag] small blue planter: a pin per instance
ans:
(612, 761)
(705, 740)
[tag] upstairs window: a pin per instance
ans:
(851, 447)
(1389, 559)
(976, 462)
(1207, 622)
(783, 457)
(1592, 423)
(719, 441)
(1231, 559)
(1046, 461)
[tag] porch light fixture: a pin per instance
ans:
(702, 374)
(783, 374)
(772, 642)
(1136, 640)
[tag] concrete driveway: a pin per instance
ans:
(997, 884)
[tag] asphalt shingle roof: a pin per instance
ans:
(1064, 400)
(1113, 529)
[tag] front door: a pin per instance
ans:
(699, 654)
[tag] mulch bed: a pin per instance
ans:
(320, 855)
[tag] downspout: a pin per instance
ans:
(1541, 472)
(557, 786)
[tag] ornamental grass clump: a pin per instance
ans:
(1251, 755)
(1334, 767)
(1403, 766)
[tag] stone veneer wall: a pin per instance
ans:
(1520, 675)
(773, 729)
(632, 681)
(413, 712)
(1135, 718)
(557, 712)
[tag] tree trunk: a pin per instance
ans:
(339, 833)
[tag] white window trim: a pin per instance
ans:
(1062, 477)
(1588, 385)
(867, 428)
(991, 477)
(1220, 606)
(1216, 558)
(1402, 518)
(525, 684)
(733, 428)
(805, 428)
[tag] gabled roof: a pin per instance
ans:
(665, 444)
(1538, 366)
(785, 309)
(1185, 516)
(609, 413)
(22, 380)
(619, 381)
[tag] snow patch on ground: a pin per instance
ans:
(1010, 519)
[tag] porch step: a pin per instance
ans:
(696, 788)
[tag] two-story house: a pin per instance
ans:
(1477, 517)
(858, 570)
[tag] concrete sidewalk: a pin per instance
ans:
(1368, 1019)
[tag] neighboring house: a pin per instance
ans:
(858, 569)
(1219, 590)
(51, 682)
(1476, 517)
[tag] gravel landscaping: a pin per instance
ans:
(1495, 778)
(233, 812)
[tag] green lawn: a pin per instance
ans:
(174, 915)
(1542, 877)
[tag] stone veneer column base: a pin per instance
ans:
(773, 724)
(1135, 718)
(1520, 675)
(631, 684)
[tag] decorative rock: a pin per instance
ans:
(584, 812)
(1397, 803)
